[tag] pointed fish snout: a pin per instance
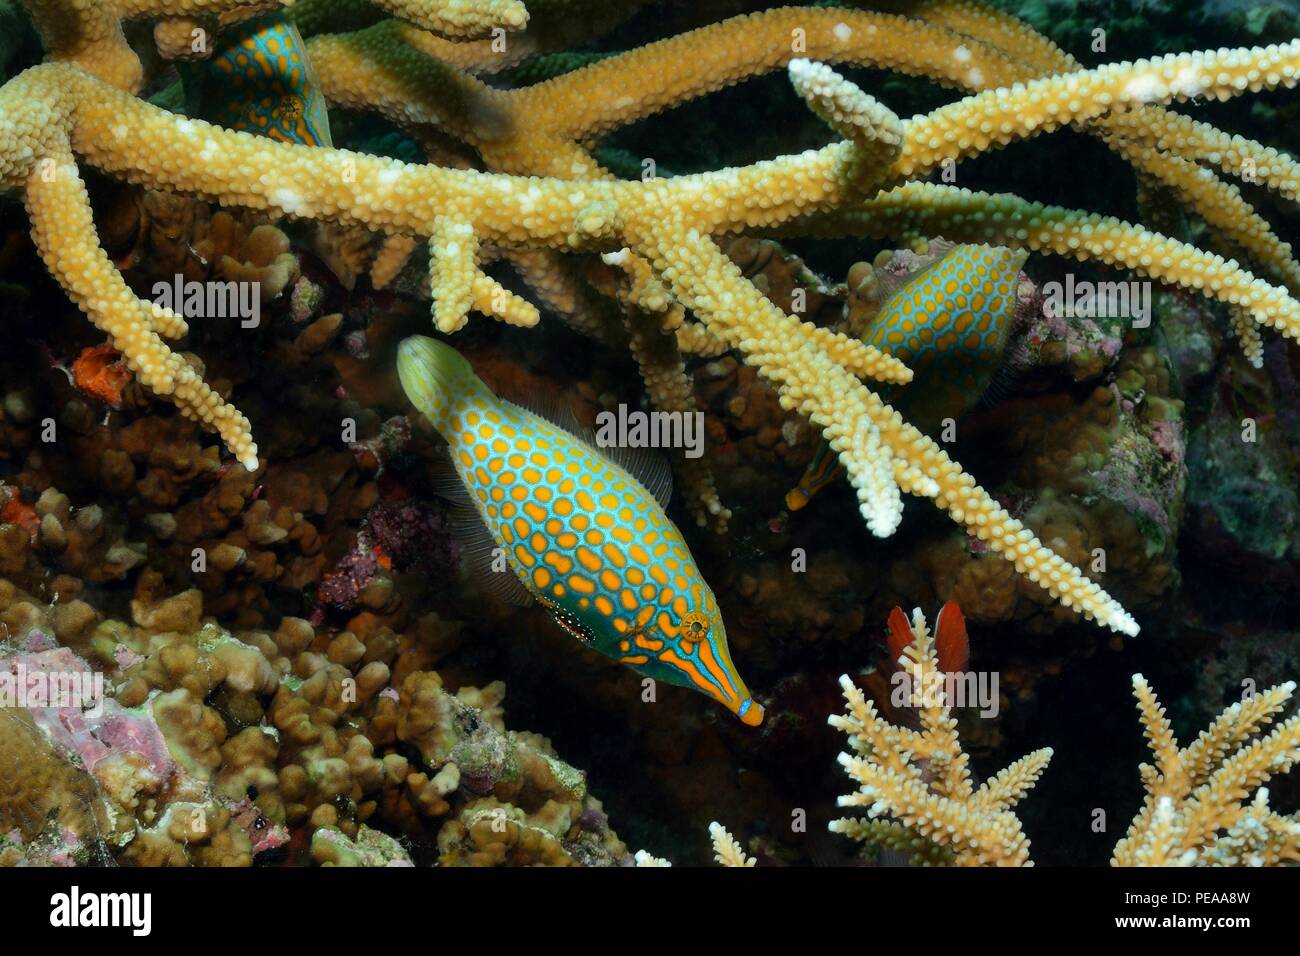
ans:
(750, 712)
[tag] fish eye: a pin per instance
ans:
(695, 627)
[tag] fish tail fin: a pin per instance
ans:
(434, 375)
(821, 471)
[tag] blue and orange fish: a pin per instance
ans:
(259, 80)
(949, 322)
(577, 532)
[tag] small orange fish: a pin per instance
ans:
(951, 643)
(13, 510)
(100, 372)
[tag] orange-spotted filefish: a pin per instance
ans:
(949, 322)
(259, 80)
(570, 527)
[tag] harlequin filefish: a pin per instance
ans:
(579, 533)
(260, 80)
(949, 322)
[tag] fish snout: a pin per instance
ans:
(750, 712)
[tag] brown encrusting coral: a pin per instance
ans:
(221, 748)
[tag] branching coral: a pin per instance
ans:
(727, 851)
(534, 130)
(922, 780)
(57, 111)
(89, 32)
(1195, 812)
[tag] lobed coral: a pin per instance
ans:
(221, 749)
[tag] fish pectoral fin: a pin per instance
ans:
(446, 481)
(559, 413)
(487, 562)
(484, 559)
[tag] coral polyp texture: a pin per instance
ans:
(922, 778)
(721, 245)
(1195, 813)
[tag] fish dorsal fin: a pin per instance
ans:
(646, 465)
(477, 546)
(890, 284)
(940, 247)
(560, 414)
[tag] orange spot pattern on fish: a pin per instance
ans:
(602, 536)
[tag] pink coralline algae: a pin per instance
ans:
(342, 587)
(264, 835)
(413, 534)
(91, 726)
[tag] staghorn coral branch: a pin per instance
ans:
(89, 32)
(921, 779)
(1235, 155)
(453, 267)
(459, 18)
(857, 423)
(1160, 737)
(517, 129)
(555, 284)
(671, 222)
(727, 849)
(553, 25)
(64, 232)
(1222, 207)
(1009, 786)
(1194, 813)
(1139, 134)
(947, 134)
(395, 198)
(946, 761)
(1231, 728)
(651, 316)
(993, 119)
(612, 92)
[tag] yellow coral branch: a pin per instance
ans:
(1194, 813)
(922, 780)
(964, 215)
(726, 849)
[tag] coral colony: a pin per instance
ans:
(282, 521)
